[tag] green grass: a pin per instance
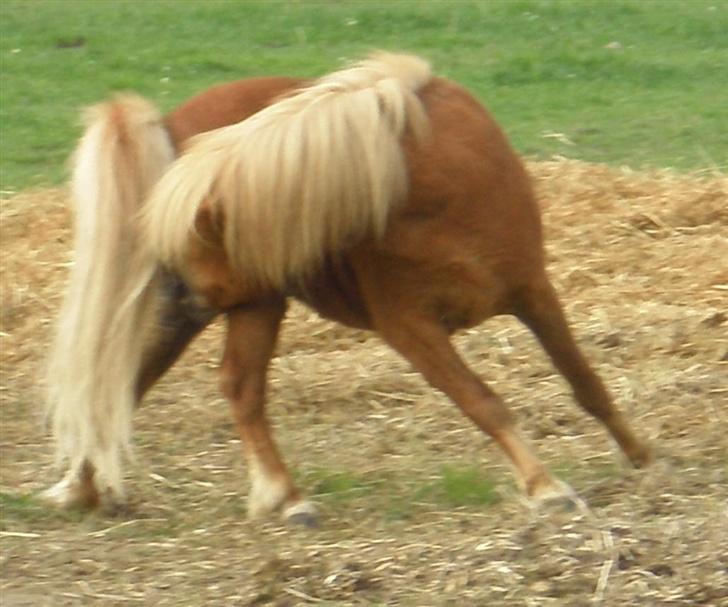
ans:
(24, 510)
(19, 507)
(451, 487)
(543, 67)
(338, 485)
(459, 487)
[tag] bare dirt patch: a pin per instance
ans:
(640, 262)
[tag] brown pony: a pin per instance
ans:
(380, 195)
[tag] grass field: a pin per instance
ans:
(626, 82)
(417, 508)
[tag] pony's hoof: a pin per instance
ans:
(301, 514)
(67, 494)
(641, 457)
(557, 496)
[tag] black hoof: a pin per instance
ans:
(303, 519)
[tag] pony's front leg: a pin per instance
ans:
(251, 338)
(539, 308)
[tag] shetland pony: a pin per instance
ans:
(380, 195)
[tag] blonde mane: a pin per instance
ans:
(306, 176)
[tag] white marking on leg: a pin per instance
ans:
(556, 490)
(267, 493)
(76, 489)
(61, 494)
(80, 488)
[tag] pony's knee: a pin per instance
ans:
(591, 393)
(232, 380)
(244, 388)
(491, 413)
(232, 383)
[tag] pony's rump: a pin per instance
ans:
(304, 177)
(94, 361)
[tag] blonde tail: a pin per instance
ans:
(111, 296)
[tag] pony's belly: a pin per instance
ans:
(334, 293)
(461, 300)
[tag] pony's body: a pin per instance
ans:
(453, 232)
(463, 243)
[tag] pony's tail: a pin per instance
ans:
(111, 296)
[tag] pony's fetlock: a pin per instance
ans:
(268, 495)
(553, 494)
(640, 456)
(72, 493)
(542, 486)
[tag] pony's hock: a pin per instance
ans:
(380, 195)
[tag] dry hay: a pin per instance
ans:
(640, 262)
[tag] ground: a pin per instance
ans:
(417, 507)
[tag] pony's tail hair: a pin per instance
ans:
(305, 177)
(111, 295)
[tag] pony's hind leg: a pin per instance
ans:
(180, 321)
(76, 490)
(425, 343)
(251, 338)
(538, 307)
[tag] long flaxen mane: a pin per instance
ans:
(302, 178)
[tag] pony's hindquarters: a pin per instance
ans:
(111, 299)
